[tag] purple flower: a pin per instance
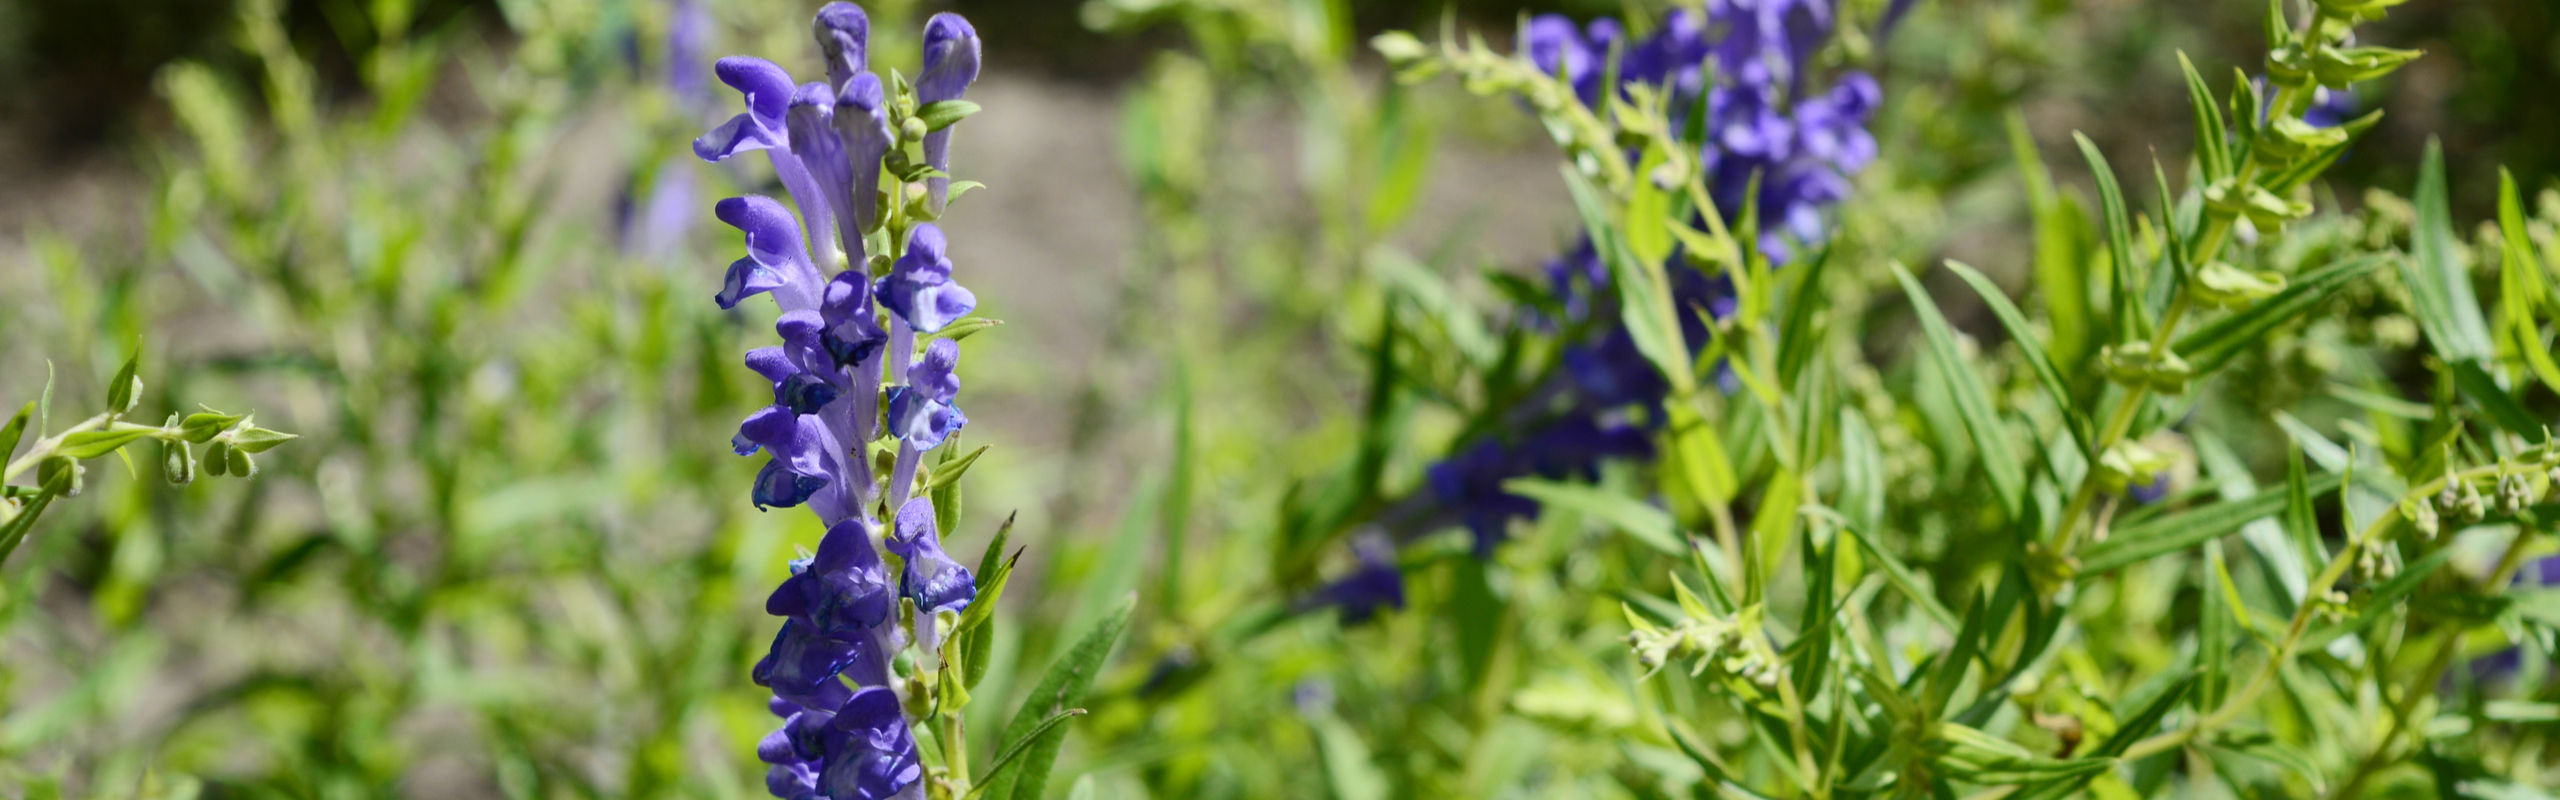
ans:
(1376, 583)
(803, 660)
(776, 261)
(918, 288)
(851, 334)
(2149, 493)
(871, 755)
(822, 153)
(921, 413)
(844, 41)
(934, 581)
(2330, 108)
(768, 93)
(843, 590)
(862, 122)
(950, 64)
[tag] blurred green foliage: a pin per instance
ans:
(510, 558)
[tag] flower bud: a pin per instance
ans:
(54, 468)
(217, 459)
(2424, 519)
(177, 462)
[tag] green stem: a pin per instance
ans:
(2118, 425)
(44, 448)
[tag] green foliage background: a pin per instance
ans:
(511, 557)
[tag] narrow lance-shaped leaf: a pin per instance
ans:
(2124, 285)
(1647, 524)
(2174, 532)
(1973, 404)
(2076, 423)
(2520, 283)
(2502, 407)
(2061, 266)
(2214, 345)
(1062, 688)
(2211, 149)
(2439, 288)
(15, 430)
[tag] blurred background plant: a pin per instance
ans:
(1246, 276)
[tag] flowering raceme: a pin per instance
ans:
(864, 205)
(1745, 63)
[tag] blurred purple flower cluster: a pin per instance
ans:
(1745, 65)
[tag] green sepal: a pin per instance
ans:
(2357, 10)
(2289, 138)
(2227, 198)
(217, 459)
(177, 462)
(202, 426)
(2340, 67)
(2224, 286)
(254, 439)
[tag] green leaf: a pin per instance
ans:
(1862, 471)
(1903, 579)
(44, 405)
(2213, 633)
(254, 439)
(2501, 406)
(979, 619)
(1990, 438)
(959, 329)
(1697, 458)
(15, 530)
(92, 444)
(1652, 526)
(1438, 301)
(2061, 266)
(2210, 347)
(2124, 281)
(1012, 753)
(2174, 532)
(1062, 688)
(1403, 144)
(2298, 517)
(949, 471)
(1649, 214)
(2520, 283)
(15, 430)
(1640, 295)
(2073, 420)
(124, 390)
(1347, 763)
(2211, 148)
(944, 114)
(2439, 288)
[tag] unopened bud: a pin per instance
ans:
(178, 462)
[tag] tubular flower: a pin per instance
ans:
(845, 733)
